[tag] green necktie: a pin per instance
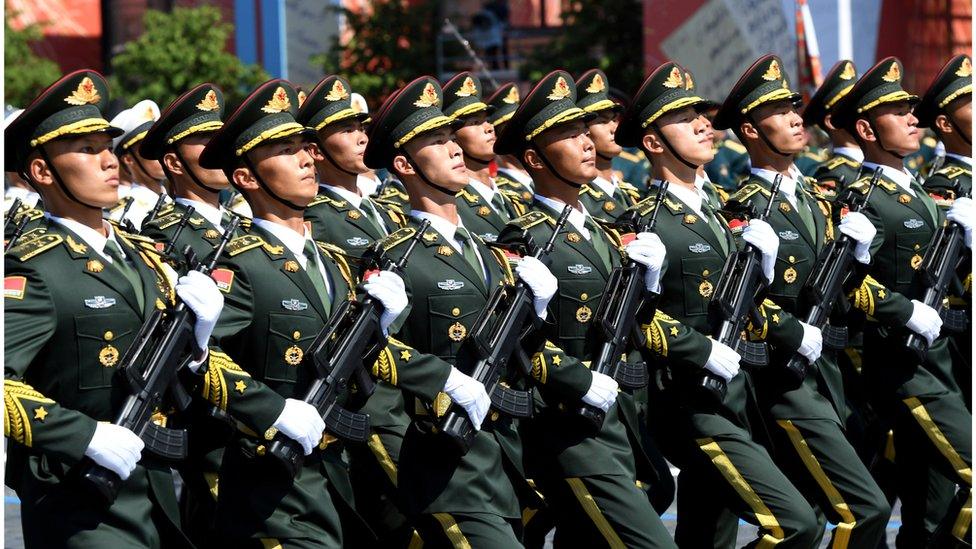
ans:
(373, 215)
(803, 208)
(467, 247)
(926, 200)
(498, 203)
(599, 242)
(315, 274)
(121, 262)
(714, 224)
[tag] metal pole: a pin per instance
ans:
(845, 37)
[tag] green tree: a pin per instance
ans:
(177, 51)
(602, 34)
(390, 46)
(25, 74)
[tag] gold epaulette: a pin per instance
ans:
(530, 219)
(841, 160)
(472, 198)
(590, 189)
(673, 205)
(322, 199)
(31, 213)
(330, 248)
(166, 221)
(631, 157)
(35, 247)
(646, 206)
(32, 234)
(244, 243)
(338, 255)
(952, 172)
(397, 237)
(862, 184)
(748, 190)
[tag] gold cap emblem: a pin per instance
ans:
(84, 94)
(559, 91)
(965, 68)
(209, 102)
(279, 102)
(467, 88)
(772, 72)
(893, 74)
(512, 97)
(338, 92)
(428, 97)
(848, 72)
(597, 85)
(674, 79)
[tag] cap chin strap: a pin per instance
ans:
(189, 171)
(476, 159)
(958, 129)
(423, 177)
(762, 135)
(141, 167)
(553, 171)
(877, 135)
(57, 178)
(267, 189)
(682, 159)
(331, 160)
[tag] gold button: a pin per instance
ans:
(297, 335)
(792, 259)
(705, 272)
(456, 312)
(109, 336)
(261, 450)
(917, 246)
(494, 416)
(584, 296)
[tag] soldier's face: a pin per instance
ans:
(86, 166)
(477, 136)
(961, 111)
(570, 150)
(286, 166)
(602, 130)
(144, 167)
(346, 143)
(439, 157)
(688, 132)
(781, 125)
(897, 126)
(190, 149)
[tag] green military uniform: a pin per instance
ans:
(601, 203)
(931, 424)
(334, 219)
(729, 165)
(633, 166)
(724, 470)
(393, 193)
(809, 158)
(587, 476)
(838, 169)
(481, 216)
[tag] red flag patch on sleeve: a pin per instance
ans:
(14, 287)
(224, 279)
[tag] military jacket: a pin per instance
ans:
(632, 165)
(729, 165)
(607, 207)
(35, 219)
(835, 174)
(509, 183)
(335, 221)
(480, 218)
(393, 193)
(198, 233)
(809, 159)
(953, 179)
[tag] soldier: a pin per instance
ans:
(484, 207)
(60, 384)
(146, 175)
(474, 499)
(588, 473)
(724, 471)
(606, 196)
(346, 217)
(931, 424)
(807, 433)
(510, 173)
(841, 169)
(730, 162)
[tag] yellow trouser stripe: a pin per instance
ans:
(842, 534)
(212, 483)
(415, 541)
(965, 518)
(386, 462)
(593, 511)
(774, 532)
(452, 530)
(527, 515)
(889, 447)
(941, 442)
(271, 543)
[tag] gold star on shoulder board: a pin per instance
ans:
(40, 413)
(674, 331)
(405, 355)
(557, 360)
(881, 294)
(239, 386)
(775, 318)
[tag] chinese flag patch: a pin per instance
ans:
(627, 238)
(14, 287)
(224, 279)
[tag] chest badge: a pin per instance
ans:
(484, 211)
(789, 275)
(293, 355)
(913, 223)
(579, 269)
(357, 241)
(450, 284)
(788, 235)
(573, 237)
(445, 250)
(699, 248)
(915, 262)
(291, 266)
(705, 289)
(904, 198)
(108, 356)
(211, 233)
(457, 331)
(94, 266)
(584, 314)
(785, 207)
(99, 302)
(293, 305)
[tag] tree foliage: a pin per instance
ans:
(177, 51)
(25, 74)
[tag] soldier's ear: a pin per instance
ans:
(942, 125)
(863, 130)
(172, 163)
(829, 122)
(531, 160)
(38, 170)
(652, 143)
(748, 130)
(243, 179)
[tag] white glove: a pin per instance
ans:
(115, 448)
(860, 229)
(540, 280)
(387, 288)
(648, 250)
(925, 321)
(723, 361)
(761, 235)
(200, 294)
(962, 213)
(602, 393)
(812, 343)
(302, 423)
(469, 394)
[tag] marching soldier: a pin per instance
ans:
(730, 162)
(344, 216)
(145, 175)
(806, 433)
(61, 385)
(724, 470)
(474, 499)
(931, 424)
(483, 206)
(842, 167)
(606, 196)
(587, 473)
(510, 173)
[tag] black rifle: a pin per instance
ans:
(825, 286)
(935, 274)
(155, 209)
(339, 354)
(494, 339)
(616, 318)
(180, 225)
(740, 290)
(125, 223)
(150, 365)
(18, 232)
(12, 213)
